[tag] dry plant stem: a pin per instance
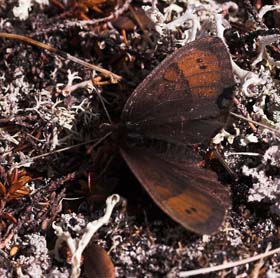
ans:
(131, 9)
(276, 131)
(58, 4)
(225, 165)
(77, 246)
(244, 153)
(65, 149)
(114, 77)
(256, 270)
(255, 273)
(69, 89)
(244, 113)
(84, 23)
(3, 243)
(146, 34)
(228, 265)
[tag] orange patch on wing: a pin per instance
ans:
(204, 91)
(171, 73)
(163, 190)
(191, 205)
(207, 78)
(200, 68)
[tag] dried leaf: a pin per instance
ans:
(2, 190)
(97, 262)
(9, 217)
(19, 184)
(124, 22)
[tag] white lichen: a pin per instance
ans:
(37, 263)
(267, 8)
(77, 245)
(222, 135)
(25, 6)
(263, 41)
(249, 138)
(265, 187)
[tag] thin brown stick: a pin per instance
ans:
(115, 78)
(256, 123)
(228, 265)
(218, 155)
(139, 22)
(244, 113)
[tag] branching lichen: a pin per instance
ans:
(78, 245)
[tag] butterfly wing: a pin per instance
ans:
(177, 105)
(181, 99)
(188, 194)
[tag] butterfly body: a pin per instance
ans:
(179, 105)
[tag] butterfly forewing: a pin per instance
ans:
(176, 106)
(185, 87)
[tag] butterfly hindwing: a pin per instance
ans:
(188, 194)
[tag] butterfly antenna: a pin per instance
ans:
(103, 105)
(114, 77)
(31, 159)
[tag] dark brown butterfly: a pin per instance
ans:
(178, 105)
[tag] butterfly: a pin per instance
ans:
(181, 103)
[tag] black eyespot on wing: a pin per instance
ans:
(188, 211)
(203, 67)
(191, 210)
